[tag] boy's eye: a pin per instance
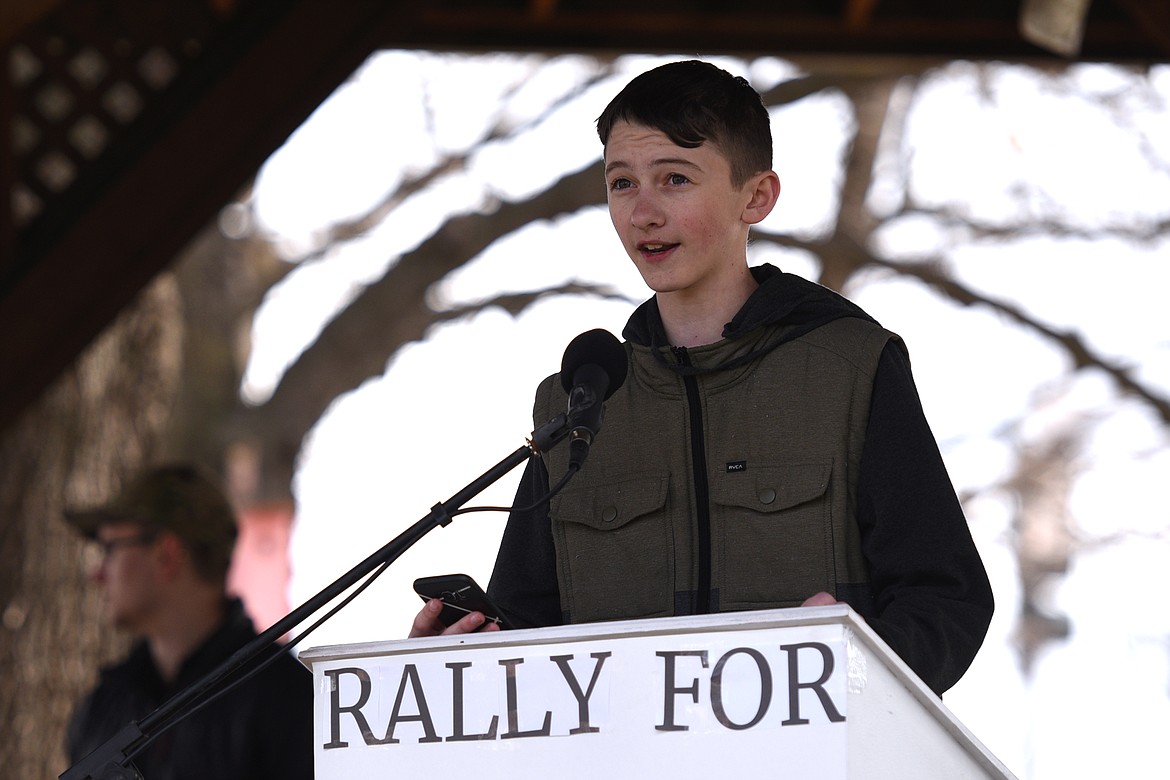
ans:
(677, 179)
(620, 184)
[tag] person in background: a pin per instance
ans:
(165, 544)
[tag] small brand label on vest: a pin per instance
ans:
(736, 465)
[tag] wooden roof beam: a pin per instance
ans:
(1153, 16)
(859, 13)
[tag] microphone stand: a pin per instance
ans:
(113, 760)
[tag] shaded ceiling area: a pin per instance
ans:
(125, 125)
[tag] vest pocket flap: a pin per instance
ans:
(773, 488)
(613, 505)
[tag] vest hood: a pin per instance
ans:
(794, 305)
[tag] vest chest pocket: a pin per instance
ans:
(614, 549)
(773, 535)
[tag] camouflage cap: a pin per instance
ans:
(179, 499)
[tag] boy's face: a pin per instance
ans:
(676, 211)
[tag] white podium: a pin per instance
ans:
(792, 693)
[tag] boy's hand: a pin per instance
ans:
(427, 623)
(821, 599)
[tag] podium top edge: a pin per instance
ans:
(841, 614)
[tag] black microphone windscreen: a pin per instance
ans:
(601, 348)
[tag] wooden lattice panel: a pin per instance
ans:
(90, 83)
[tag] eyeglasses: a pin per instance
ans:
(107, 546)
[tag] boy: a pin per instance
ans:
(768, 448)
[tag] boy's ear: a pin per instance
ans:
(171, 552)
(764, 189)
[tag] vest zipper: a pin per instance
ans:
(702, 603)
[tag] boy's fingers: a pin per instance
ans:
(426, 622)
(466, 624)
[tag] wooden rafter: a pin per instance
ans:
(858, 13)
(1153, 16)
(16, 15)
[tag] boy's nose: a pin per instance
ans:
(647, 212)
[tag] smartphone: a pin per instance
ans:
(460, 595)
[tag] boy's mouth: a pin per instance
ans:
(652, 248)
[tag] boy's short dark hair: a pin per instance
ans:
(693, 102)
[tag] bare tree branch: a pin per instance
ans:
(848, 253)
(390, 313)
(348, 230)
(1070, 342)
(516, 303)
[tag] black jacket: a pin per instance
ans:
(928, 595)
(261, 730)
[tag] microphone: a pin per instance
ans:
(594, 366)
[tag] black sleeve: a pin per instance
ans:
(77, 746)
(932, 599)
(524, 580)
(282, 729)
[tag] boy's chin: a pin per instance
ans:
(662, 282)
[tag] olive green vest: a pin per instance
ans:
(781, 441)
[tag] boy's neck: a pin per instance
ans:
(183, 629)
(698, 320)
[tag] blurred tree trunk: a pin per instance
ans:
(97, 424)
